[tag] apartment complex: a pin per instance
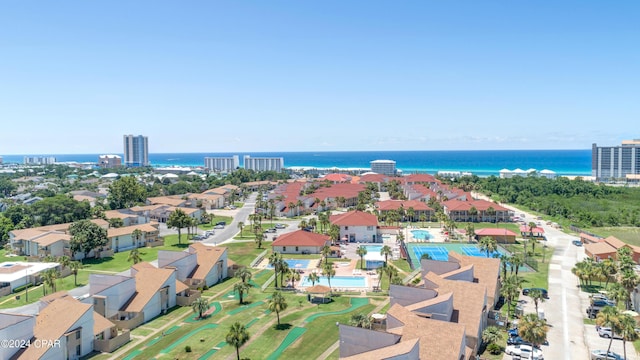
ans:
(109, 161)
(39, 160)
(222, 164)
(263, 163)
(384, 167)
(616, 162)
(136, 150)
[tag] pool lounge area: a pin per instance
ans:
(347, 282)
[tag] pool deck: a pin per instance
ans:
(437, 234)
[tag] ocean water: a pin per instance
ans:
(482, 163)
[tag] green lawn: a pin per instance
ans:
(630, 235)
(245, 252)
(4, 257)
(35, 293)
(238, 204)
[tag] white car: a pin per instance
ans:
(602, 355)
(524, 352)
(606, 333)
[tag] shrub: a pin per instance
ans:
(205, 288)
(494, 349)
(187, 348)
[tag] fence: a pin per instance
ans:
(258, 259)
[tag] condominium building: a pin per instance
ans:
(136, 150)
(39, 160)
(616, 162)
(109, 161)
(385, 167)
(263, 163)
(222, 164)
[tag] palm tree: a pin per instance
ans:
(50, 277)
(609, 316)
(537, 297)
(361, 320)
(504, 262)
(244, 274)
(411, 213)
(241, 227)
(178, 220)
(361, 251)
(200, 306)
(516, 262)
(326, 251)
(75, 266)
(237, 337)
(136, 235)
(423, 218)
(134, 256)
(609, 269)
(488, 244)
(628, 331)
(302, 224)
(314, 278)
(290, 206)
(386, 252)
(391, 272)
(313, 223)
(617, 293)
(293, 276)
(533, 329)
(492, 335)
(274, 260)
(470, 230)
(299, 205)
(277, 303)
(284, 269)
(64, 261)
(629, 279)
(473, 212)
(510, 290)
(329, 272)
(259, 234)
(241, 288)
(334, 233)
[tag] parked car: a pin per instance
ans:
(524, 352)
(280, 226)
(513, 332)
(223, 223)
(270, 230)
(219, 227)
(602, 302)
(577, 242)
(516, 340)
(603, 355)
(592, 311)
(544, 292)
(606, 333)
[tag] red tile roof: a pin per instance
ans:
(417, 178)
(301, 238)
(494, 232)
(406, 204)
(354, 218)
(536, 230)
(480, 205)
(337, 177)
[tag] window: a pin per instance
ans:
(296, 248)
(77, 335)
(78, 350)
(284, 248)
(346, 228)
(369, 228)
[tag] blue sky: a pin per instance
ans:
(212, 76)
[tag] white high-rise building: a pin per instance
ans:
(39, 160)
(136, 150)
(222, 164)
(385, 167)
(263, 163)
(615, 162)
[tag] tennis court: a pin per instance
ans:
(472, 250)
(439, 253)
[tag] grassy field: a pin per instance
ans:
(244, 253)
(630, 235)
(35, 293)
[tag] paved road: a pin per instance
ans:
(239, 215)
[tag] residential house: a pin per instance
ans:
(300, 242)
(357, 226)
(128, 216)
(18, 328)
(155, 291)
(537, 231)
(122, 238)
(461, 211)
(200, 265)
(67, 325)
(420, 208)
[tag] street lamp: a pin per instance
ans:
(26, 289)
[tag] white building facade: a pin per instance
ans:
(136, 150)
(385, 167)
(222, 164)
(263, 163)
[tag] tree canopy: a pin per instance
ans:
(86, 236)
(126, 192)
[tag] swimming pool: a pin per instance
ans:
(294, 264)
(421, 234)
(440, 252)
(338, 281)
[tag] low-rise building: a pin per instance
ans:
(300, 242)
(16, 328)
(357, 226)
